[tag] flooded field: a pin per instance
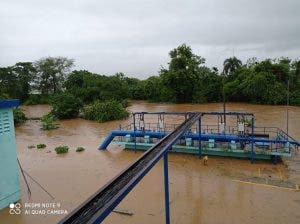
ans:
(218, 193)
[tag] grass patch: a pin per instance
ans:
(80, 149)
(61, 149)
(41, 146)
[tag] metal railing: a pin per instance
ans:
(263, 132)
(213, 129)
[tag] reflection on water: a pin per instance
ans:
(198, 194)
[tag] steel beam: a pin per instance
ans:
(166, 182)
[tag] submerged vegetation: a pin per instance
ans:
(61, 149)
(41, 146)
(58, 150)
(105, 111)
(186, 78)
(48, 122)
(19, 116)
(80, 149)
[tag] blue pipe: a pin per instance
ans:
(107, 140)
(115, 133)
(194, 136)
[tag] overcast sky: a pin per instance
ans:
(135, 36)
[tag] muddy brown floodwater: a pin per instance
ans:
(198, 193)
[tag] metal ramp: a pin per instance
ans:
(98, 206)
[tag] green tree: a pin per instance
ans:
(65, 105)
(256, 85)
(90, 87)
(7, 82)
(156, 91)
(230, 65)
(25, 73)
(113, 87)
(280, 69)
(15, 81)
(51, 73)
(209, 86)
(182, 73)
(84, 85)
(136, 88)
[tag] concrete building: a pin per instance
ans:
(10, 190)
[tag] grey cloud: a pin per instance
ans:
(136, 36)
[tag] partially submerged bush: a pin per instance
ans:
(105, 111)
(125, 103)
(61, 149)
(48, 122)
(80, 149)
(41, 146)
(4, 96)
(65, 105)
(19, 116)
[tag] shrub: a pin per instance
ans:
(4, 96)
(80, 149)
(41, 146)
(65, 105)
(31, 146)
(48, 122)
(19, 116)
(125, 103)
(105, 111)
(61, 149)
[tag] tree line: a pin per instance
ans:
(186, 78)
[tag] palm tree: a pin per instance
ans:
(230, 65)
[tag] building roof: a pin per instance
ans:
(9, 103)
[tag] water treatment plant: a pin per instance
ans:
(160, 138)
(112, 180)
(240, 139)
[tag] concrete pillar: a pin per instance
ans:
(10, 190)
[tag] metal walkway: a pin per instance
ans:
(97, 207)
